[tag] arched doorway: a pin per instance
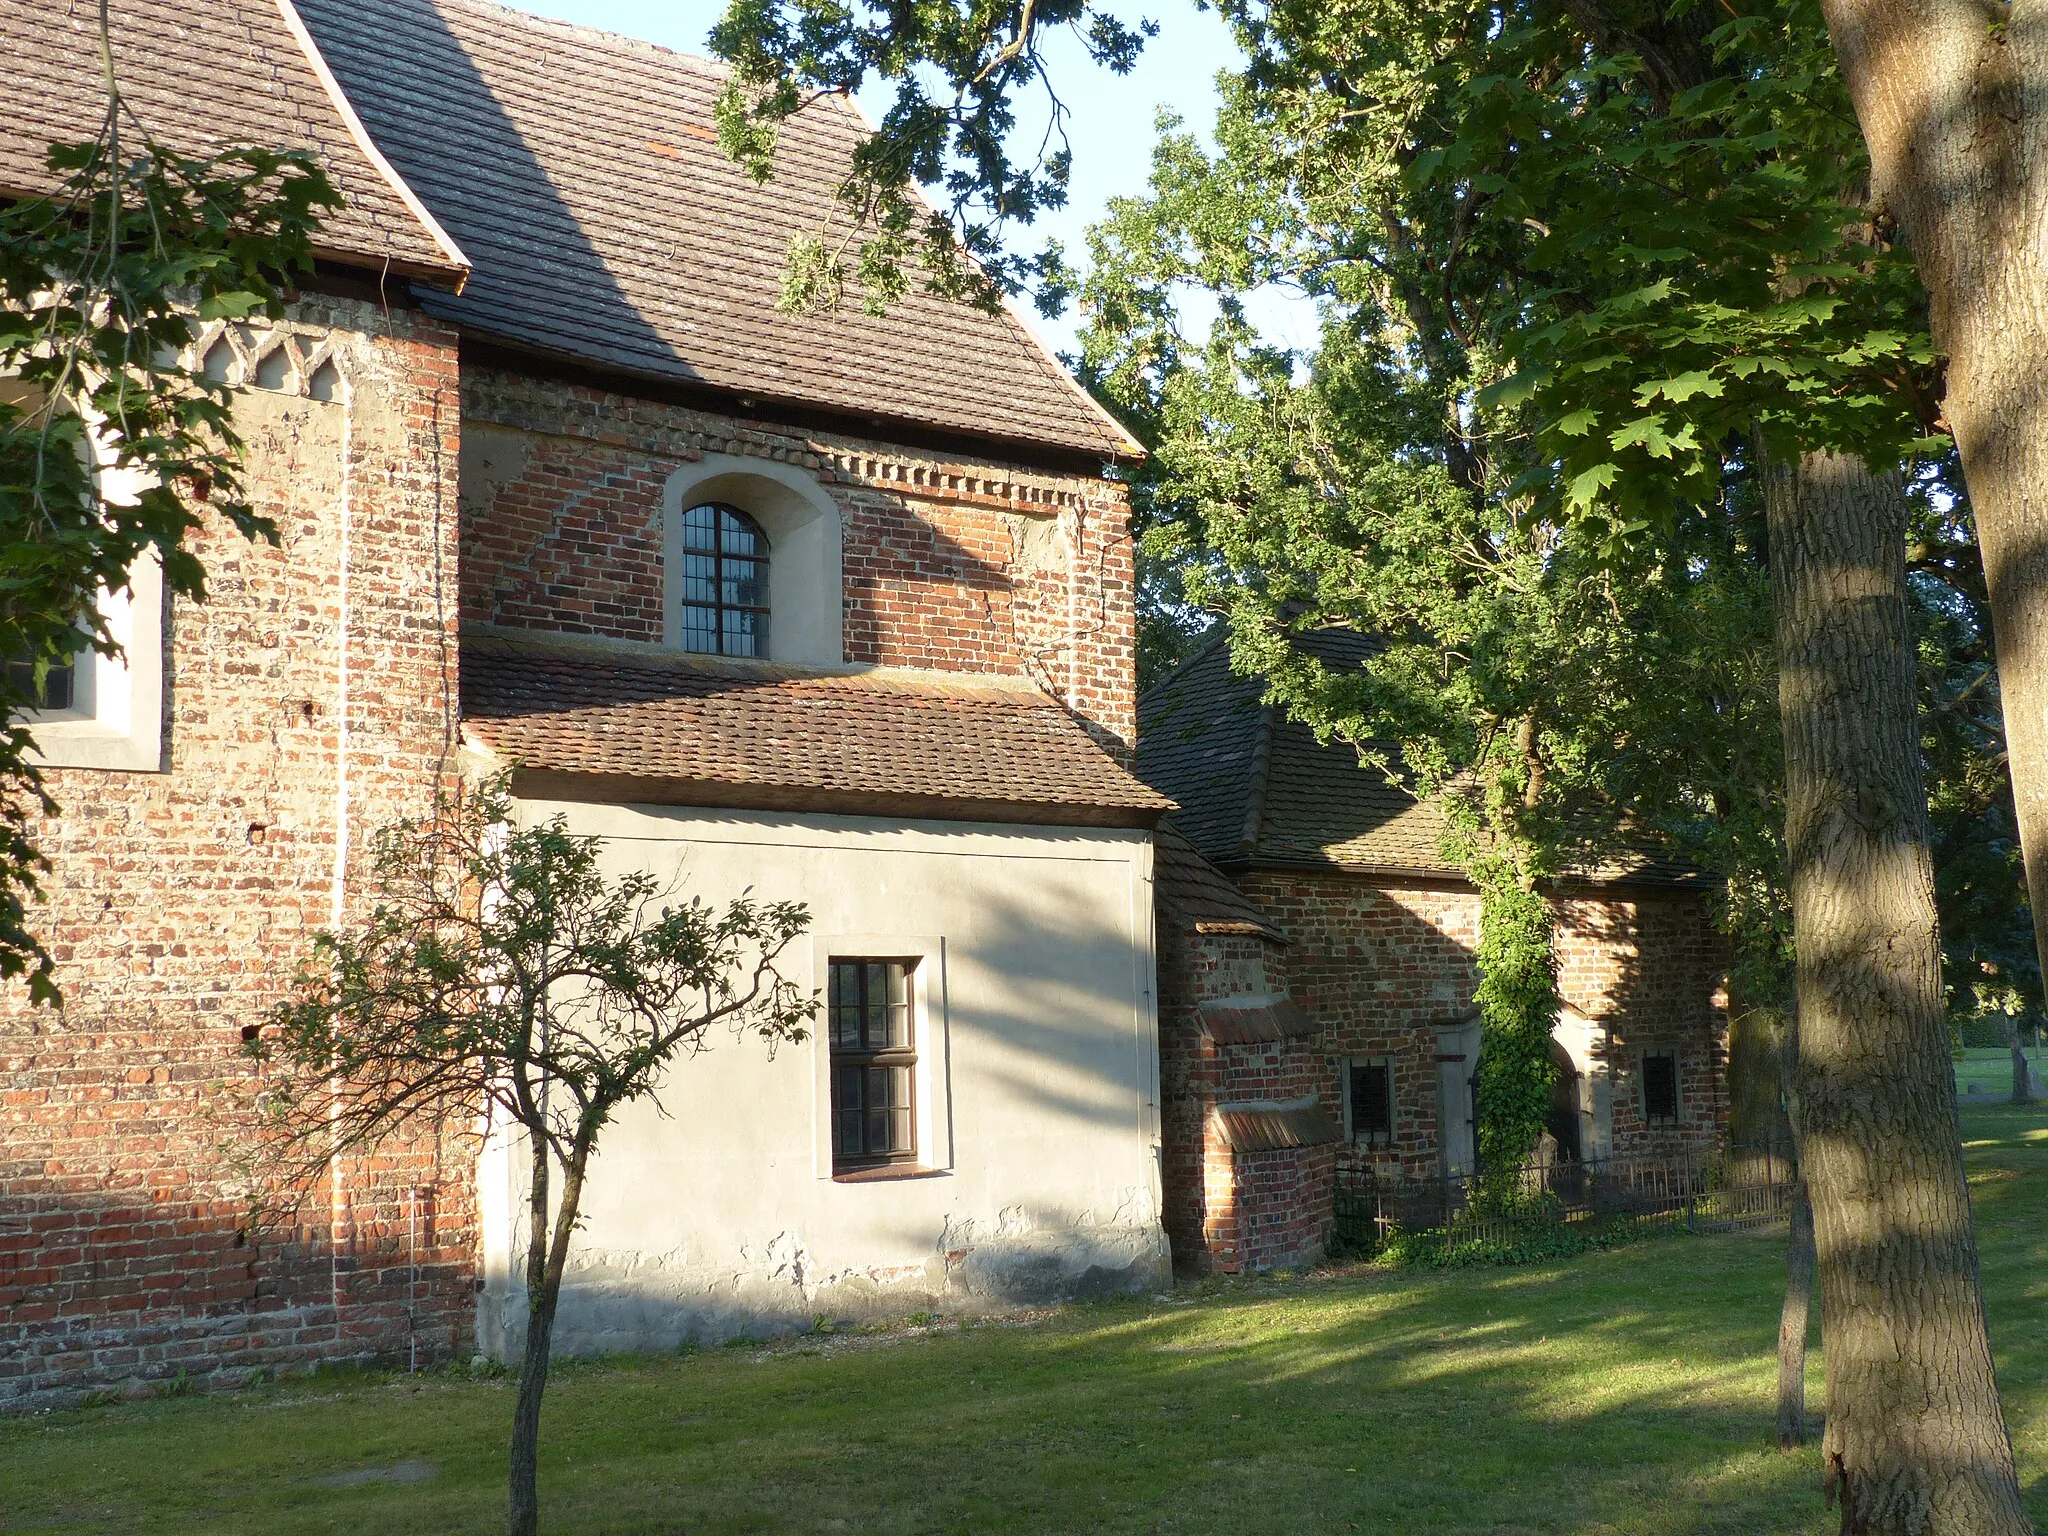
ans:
(1579, 1046)
(1563, 1120)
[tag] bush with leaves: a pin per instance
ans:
(502, 970)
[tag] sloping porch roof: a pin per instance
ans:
(589, 723)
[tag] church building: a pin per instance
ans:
(833, 608)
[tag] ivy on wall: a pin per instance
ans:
(1518, 1006)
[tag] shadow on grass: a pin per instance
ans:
(1627, 1391)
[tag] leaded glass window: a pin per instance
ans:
(723, 582)
(874, 1063)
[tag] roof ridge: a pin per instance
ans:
(317, 62)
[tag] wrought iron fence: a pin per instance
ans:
(1727, 1189)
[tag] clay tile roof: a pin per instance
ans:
(1197, 895)
(592, 724)
(1255, 786)
(581, 171)
(1253, 1018)
(200, 76)
(1271, 1127)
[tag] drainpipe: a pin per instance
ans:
(337, 1216)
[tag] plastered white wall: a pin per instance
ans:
(714, 1212)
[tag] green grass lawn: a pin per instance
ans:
(1627, 1391)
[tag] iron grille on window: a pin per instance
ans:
(58, 686)
(1372, 1102)
(874, 1063)
(1660, 1088)
(724, 582)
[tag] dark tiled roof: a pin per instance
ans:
(1272, 1127)
(1252, 785)
(199, 76)
(590, 724)
(1197, 895)
(581, 172)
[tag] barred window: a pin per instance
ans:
(1660, 1087)
(1371, 1091)
(874, 1063)
(723, 582)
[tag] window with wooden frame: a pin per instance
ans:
(1370, 1092)
(872, 1027)
(1660, 1087)
(723, 582)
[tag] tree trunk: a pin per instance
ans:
(1915, 1442)
(1792, 1322)
(1949, 94)
(1795, 1314)
(546, 1258)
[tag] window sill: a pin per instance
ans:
(80, 743)
(886, 1172)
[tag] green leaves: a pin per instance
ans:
(1550, 311)
(1648, 433)
(1518, 1007)
(957, 67)
(1585, 491)
(1706, 256)
(231, 306)
(1677, 390)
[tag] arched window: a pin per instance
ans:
(724, 582)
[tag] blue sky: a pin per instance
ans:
(1111, 126)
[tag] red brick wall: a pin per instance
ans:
(1284, 1206)
(1381, 966)
(962, 566)
(1227, 1210)
(179, 903)
(1654, 970)
(1193, 967)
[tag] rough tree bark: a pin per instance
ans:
(546, 1257)
(1915, 1442)
(1952, 96)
